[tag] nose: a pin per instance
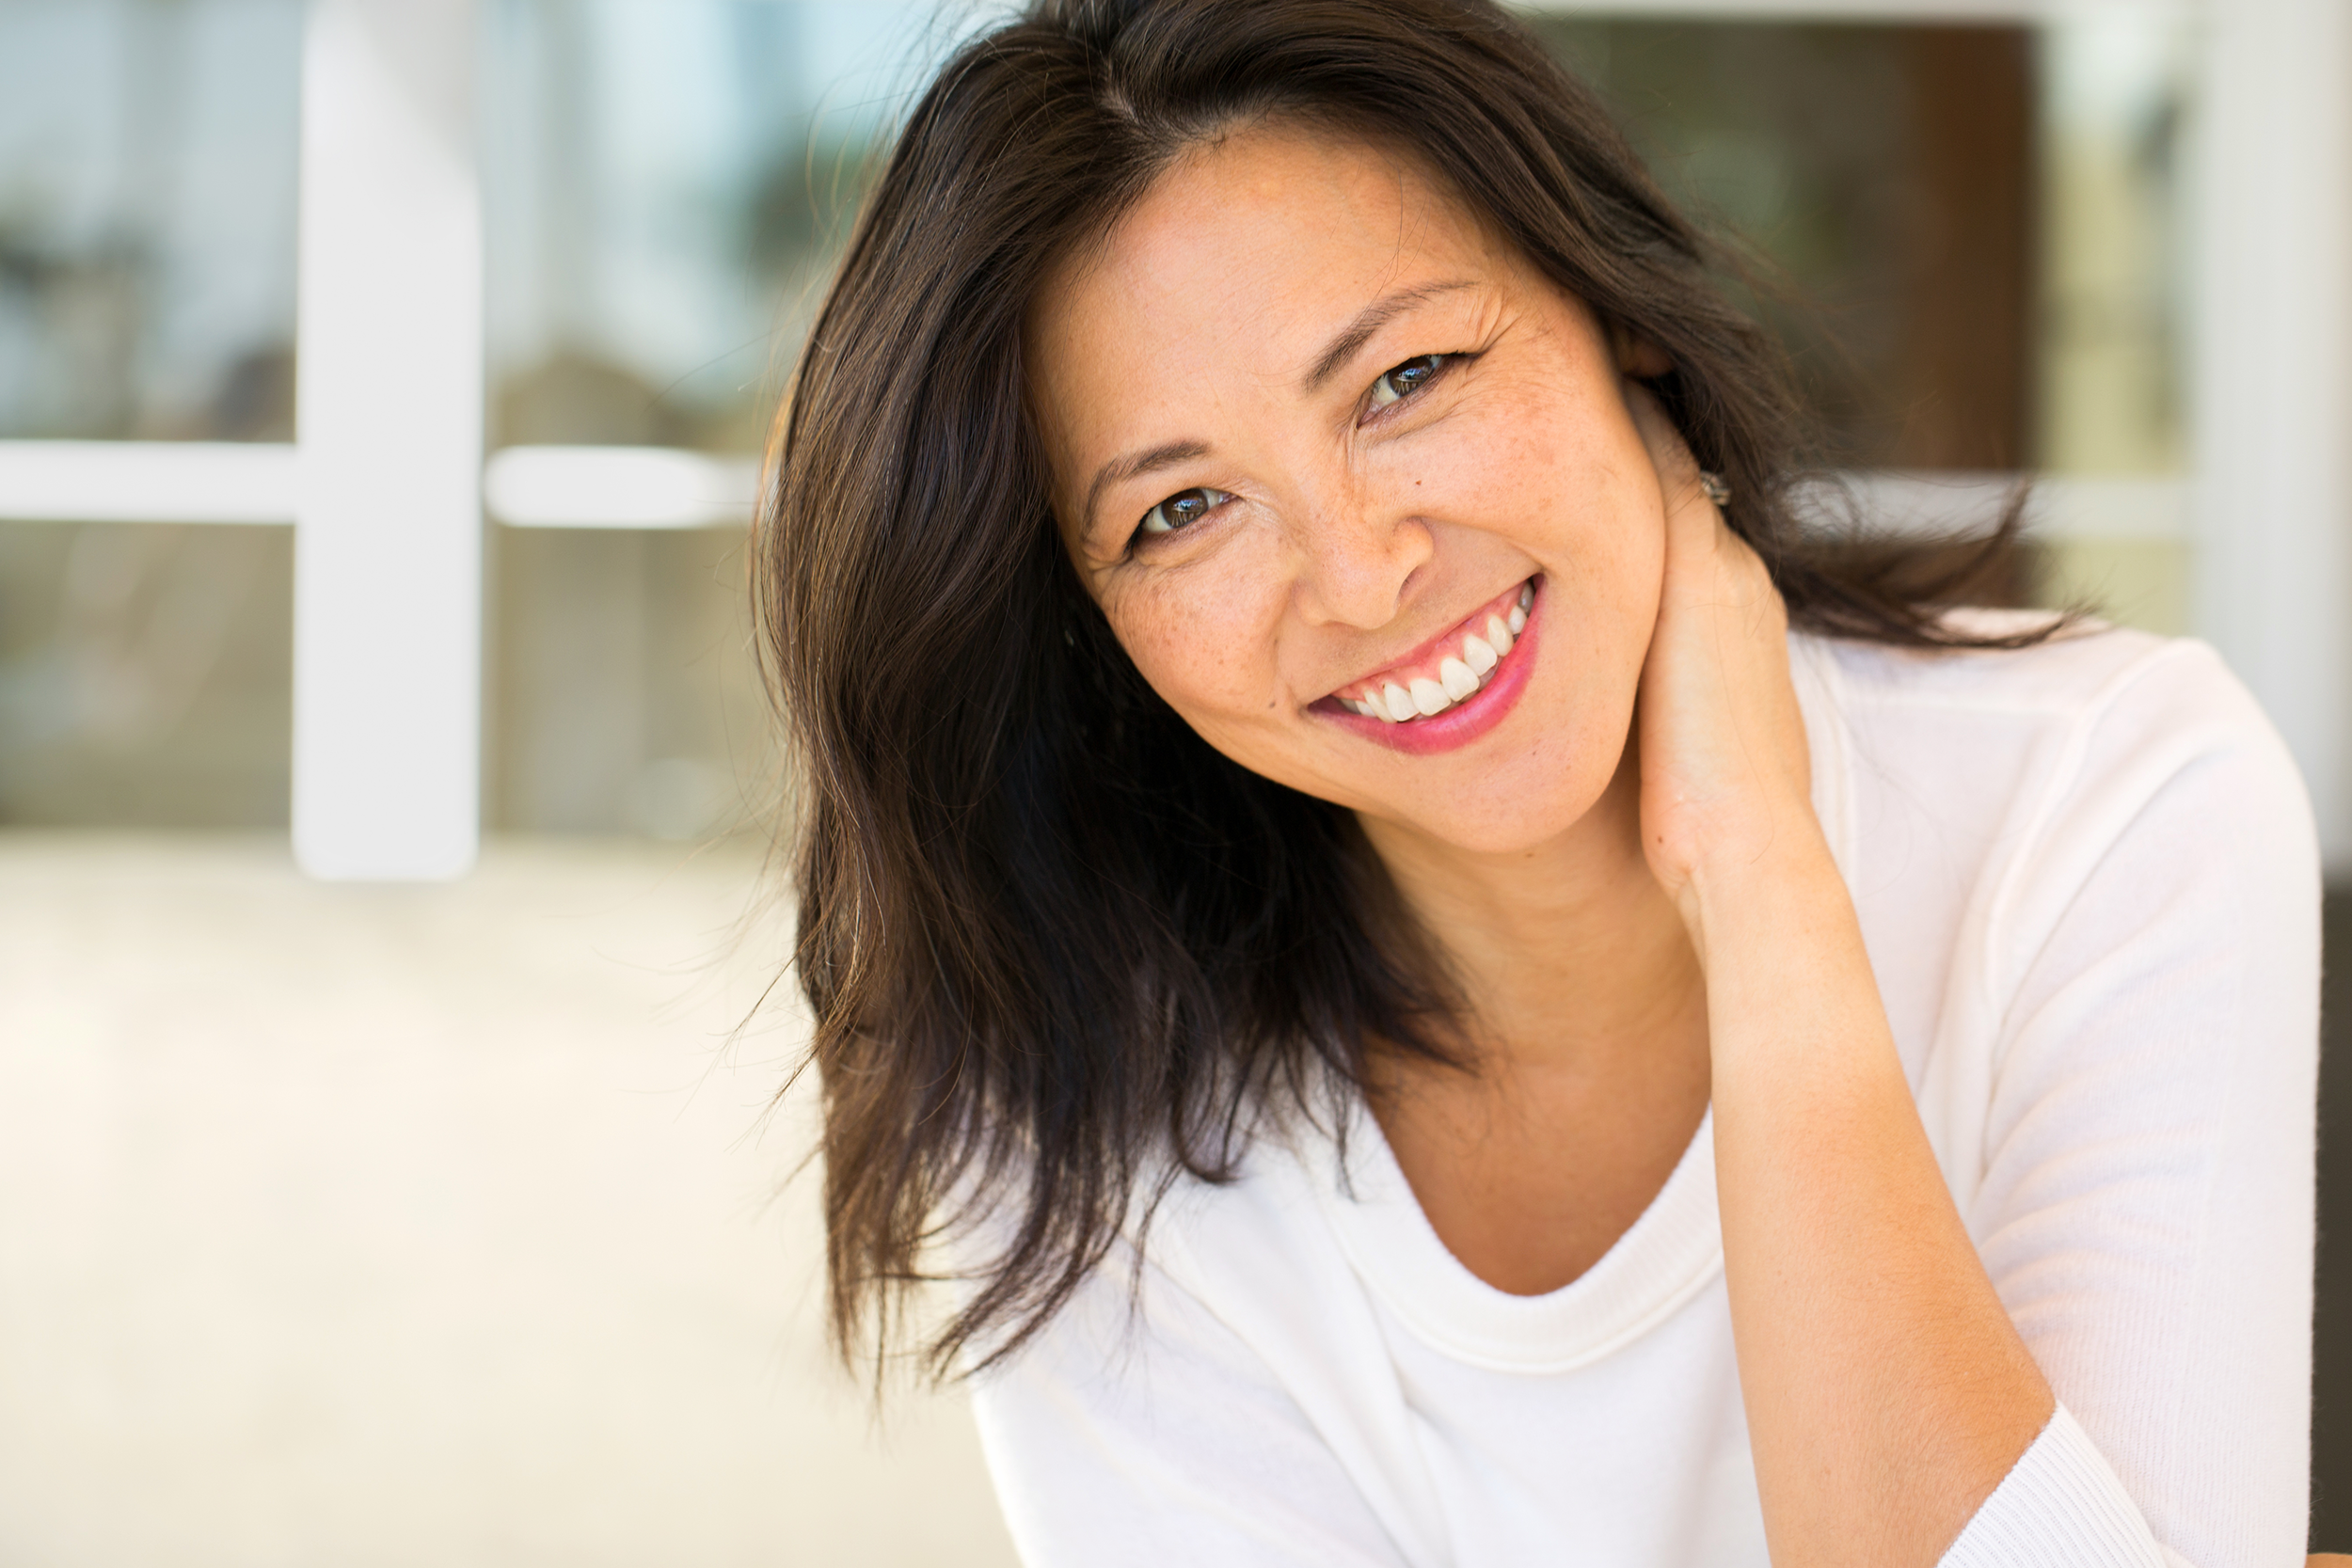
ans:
(1358, 550)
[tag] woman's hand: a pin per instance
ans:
(1726, 777)
(1886, 1391)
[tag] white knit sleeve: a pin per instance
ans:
(2145, 1208)
(2060, 1507)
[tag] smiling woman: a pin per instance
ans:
(1449, 986)
(1372, 518)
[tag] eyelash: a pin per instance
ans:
(1437, 364)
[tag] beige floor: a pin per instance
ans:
(419, 1226)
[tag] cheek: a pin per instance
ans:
(1604, 609)
(1527, 455)
(1203, 636)
(1567, 482)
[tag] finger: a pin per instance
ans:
(1690, 512)
(1695, 533)
(1678, 470)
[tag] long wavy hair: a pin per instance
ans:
(1062, 953)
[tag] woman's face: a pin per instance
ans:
(1316, 434)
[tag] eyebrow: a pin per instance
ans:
(1336, 353)
(1134, 464)
(1370, 319)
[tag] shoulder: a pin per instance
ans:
(1217, 1389)
(2076, 674)
(2080, 784)
(2078, 714)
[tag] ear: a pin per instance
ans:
(1637, 357)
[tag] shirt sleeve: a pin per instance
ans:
(1140, 1429)
(2146, 1207)
(2060, 1507)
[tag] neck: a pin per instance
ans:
(1570, 954)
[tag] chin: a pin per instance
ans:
(1510, 821)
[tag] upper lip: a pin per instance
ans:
(1427, 645)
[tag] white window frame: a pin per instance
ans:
(385, 489)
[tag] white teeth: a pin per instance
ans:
(1457, 678)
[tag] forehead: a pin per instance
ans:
(1237, 264)
(1251, 206)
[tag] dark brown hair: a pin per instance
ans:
(1060, 952)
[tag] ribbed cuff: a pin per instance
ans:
(2059, 1507)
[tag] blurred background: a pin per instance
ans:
(387, 1169)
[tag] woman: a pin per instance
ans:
(1435, 1029)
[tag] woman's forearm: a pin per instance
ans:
(1886, 1391)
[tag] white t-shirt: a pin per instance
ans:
(2087, 876)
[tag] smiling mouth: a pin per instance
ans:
(1456, 669)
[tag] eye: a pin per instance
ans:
(1183, 509)
(1407, 379)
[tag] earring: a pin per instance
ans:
(1712, 486)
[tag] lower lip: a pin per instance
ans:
(1465, 721)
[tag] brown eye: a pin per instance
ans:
(1407, 379)
(1183, 508)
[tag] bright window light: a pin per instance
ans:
(145, 481)
(618, 487)
(387, 556)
